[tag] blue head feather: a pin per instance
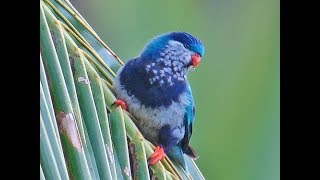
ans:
(189, 41)
(153, 48)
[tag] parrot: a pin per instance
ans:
(154, 88)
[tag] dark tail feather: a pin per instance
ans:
(191, 153)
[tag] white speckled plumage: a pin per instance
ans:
(174, 56)
(153, 119)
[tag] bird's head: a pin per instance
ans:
(174, 48)
(167, 58)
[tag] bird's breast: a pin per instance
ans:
(151, 119)
(154, 106)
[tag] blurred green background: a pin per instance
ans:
(237, 85)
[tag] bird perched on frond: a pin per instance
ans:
(154, 88)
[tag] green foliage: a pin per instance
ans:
(83, 136)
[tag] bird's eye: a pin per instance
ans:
(186, 45)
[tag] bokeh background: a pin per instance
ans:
(237, 85)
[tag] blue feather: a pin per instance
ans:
(135, 81)
(153, 48)
(190, 41)
(188, 119)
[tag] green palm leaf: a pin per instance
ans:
(82, 135)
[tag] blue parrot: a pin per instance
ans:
(154, 88)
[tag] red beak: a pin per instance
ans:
(196, 58)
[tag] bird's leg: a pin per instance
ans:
(168, 137)
(121, 103)
(157, 155)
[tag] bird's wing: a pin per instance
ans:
(188, 122)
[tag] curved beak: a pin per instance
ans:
(196, 58)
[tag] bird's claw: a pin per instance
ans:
(157, 155)
(121, 103)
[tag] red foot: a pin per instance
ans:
(157, 155)
(121, 103)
